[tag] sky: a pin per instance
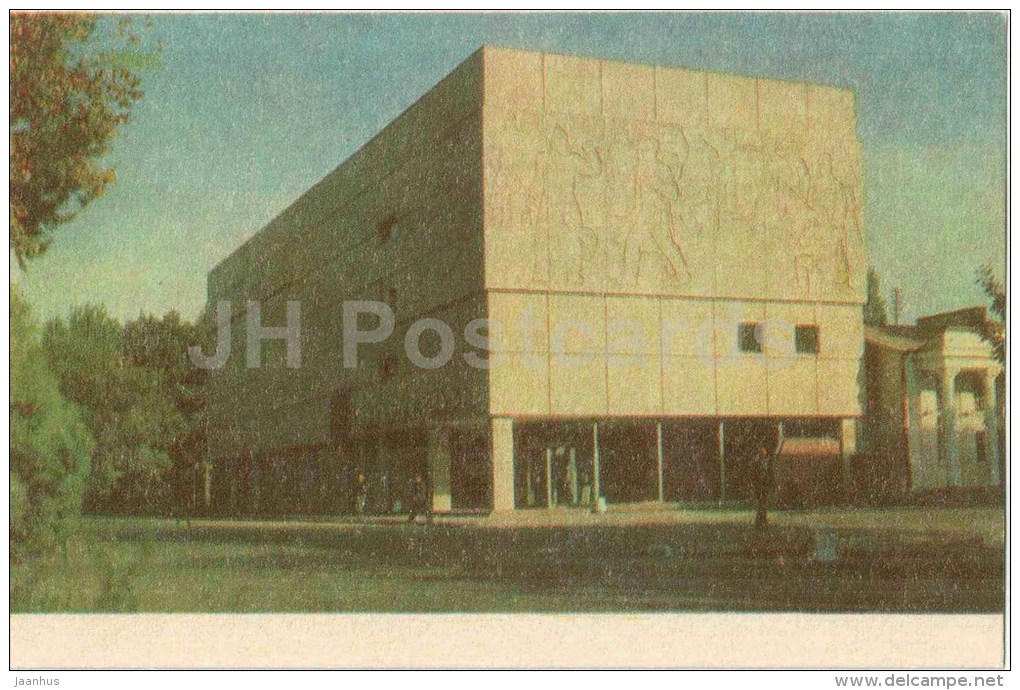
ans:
(244, 112)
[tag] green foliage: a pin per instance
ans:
(98, 572)
(132, 418)
(71, 87)
(874, 308)
(994, 332)
(50, 446)
(161, 345)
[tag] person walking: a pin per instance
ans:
(420, 500)
(360, 494)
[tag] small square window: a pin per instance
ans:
(747, 338)
(806, 339)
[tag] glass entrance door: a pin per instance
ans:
(554, 477)
(564, 475)
(553, 465)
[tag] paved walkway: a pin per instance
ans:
(907, 522)
(985, 523)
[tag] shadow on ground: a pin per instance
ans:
(471, 565)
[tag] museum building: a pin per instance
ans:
(669, 266)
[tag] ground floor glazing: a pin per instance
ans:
(505, 464)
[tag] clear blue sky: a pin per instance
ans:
(245, 112)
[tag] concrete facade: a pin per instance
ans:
(688, 203)
(618, 225)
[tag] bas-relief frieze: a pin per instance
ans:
(639, 206)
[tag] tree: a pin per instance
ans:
(874, 307)
(161, 345)
(68, 97)
(995, 331)
(132, 419)
(50, 445)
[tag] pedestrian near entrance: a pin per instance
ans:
(420, 502)
(360, 494)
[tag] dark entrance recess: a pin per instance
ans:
(389, 460)
(742, 439)
(470, 471)
(690, 453)
(629, 460)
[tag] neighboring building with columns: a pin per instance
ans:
(672, 266)
(935, 403)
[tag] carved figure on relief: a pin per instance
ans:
(844, 212)
(632, 244)
(834, 214)
(698, 181)
(796, 231)
(576, 158)
(628, 202)
(621, 160)
(670, 232)
(742, 181)
(644, 192)
(519, 201)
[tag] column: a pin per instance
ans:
(947, 417)
(596, 468)
(502, 464)
(206, 486)
(549, 497)
(722, 462)
(847, 447)
(658, 442)
(572, 473)
(439, 456)
(991, 411)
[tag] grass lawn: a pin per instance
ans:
(907, 559)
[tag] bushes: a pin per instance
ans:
(127, 402)
(50, 446)
(877, 479)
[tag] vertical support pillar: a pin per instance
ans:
(847, 448)
(502, 464)
(439, 455)
(658, 448)
(529, 483)
(549, 502)
(947, 415)
(722, 461)
(572, 474)
(991, 414)
(206, 486)
(596, 467)
(909, 393)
